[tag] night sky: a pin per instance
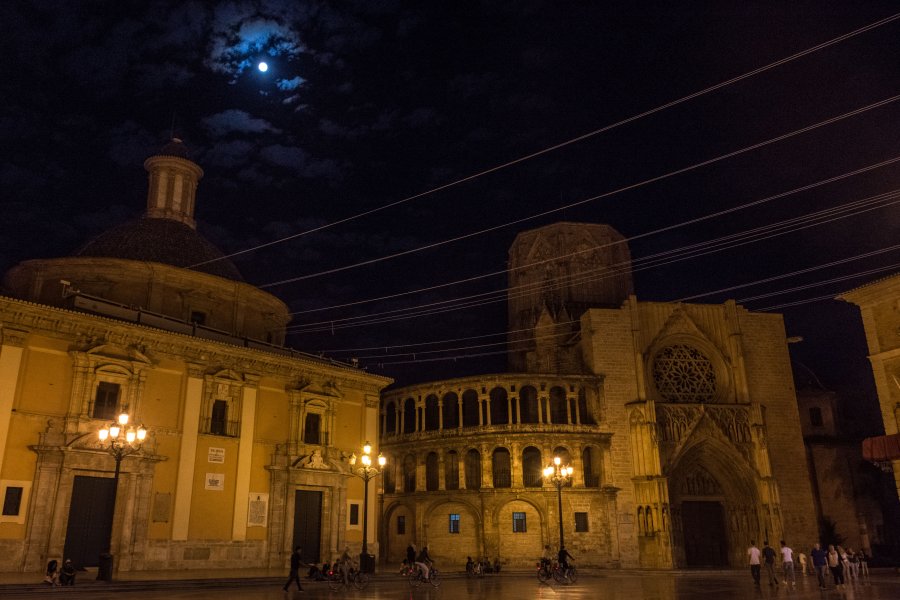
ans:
(366, 104)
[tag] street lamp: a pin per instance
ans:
(119, 439)
(366, 472)
(559, 475)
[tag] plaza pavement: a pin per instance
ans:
(520, 585)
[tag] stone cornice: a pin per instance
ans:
(489, 381)
(65, 324)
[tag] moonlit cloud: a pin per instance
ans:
(237, 121)
(234, 45)
(290, 84)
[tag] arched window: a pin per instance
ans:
(451, 470)
(432, 419)
(409, 416)
(473, 470)
(584, 413)
(640, 521)
(590, 460)
(470, 408)
(532, 467)
(451, 411)
(390, 483)
(432, 476)
(409, 473)
(558, 412)
(528, 405)
(390, 417)
(499, 407)
(501, 467)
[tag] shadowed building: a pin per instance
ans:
(249, 440)
(680, 421)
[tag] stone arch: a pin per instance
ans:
(499, 406)
(519, 549)
(591, 463)
(409, 473)
(432, 417)
(452, 548)
(712, 483)
(409, 415)
(432, 472)
(501, 467)
(528, 405)
(451, 410)
(473, 469)
(532, 467)
(396, 542)
(470, 408)
(451, 470)
(390, 418)
(559, 413)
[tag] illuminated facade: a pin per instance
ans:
(680, 421)
(248, 447)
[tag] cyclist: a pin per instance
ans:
(346, 563)
(561, 558)
(423, 561)
(546, 558)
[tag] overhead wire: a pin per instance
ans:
(571, 141)
(693, 221)
(658, 259)
(629, 187)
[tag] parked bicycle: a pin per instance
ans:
(355, 578)
(417, 577)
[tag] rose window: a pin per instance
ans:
(684, 374)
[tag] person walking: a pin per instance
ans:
(295, 571)
(753, 554)
(836, 566)
(787, 564)
(803, 564)
(820, 563)
(769, 558)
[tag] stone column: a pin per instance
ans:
(487, 467)
(190, 423)
(459, 405)
(10, 363)
(442, 473)
(294, 434)
(461, 468)
(515, 402)
(440, 415)
(245, 458)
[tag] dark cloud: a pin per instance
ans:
(237, 121)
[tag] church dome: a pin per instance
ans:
(163, 241)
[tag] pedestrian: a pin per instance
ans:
(787, 564)
(562, 559)
(67, 573)
(295, 570)
(52, 576)
(864, 563)
(820, 563)
(853, 558)
(346, 562)
(769, 559)
(411, 555)
(836, 566)
(753, 554)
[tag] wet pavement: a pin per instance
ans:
(629, 585)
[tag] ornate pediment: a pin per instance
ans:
(116, 353)
(679, 324)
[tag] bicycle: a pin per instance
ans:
(565, 576)
(544, 571)
(417, 577)
(474, 570)
(355, 578)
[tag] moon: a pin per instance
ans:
(263, 67)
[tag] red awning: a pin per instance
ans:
(882, 448)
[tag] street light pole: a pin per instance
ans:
(366, 472)
(120, 440)
(559, 475)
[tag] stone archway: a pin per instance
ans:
(714, 504)
(520, 525)
(400, 530)
(453, 532)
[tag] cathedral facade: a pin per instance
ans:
(680, 422)
(248, 445)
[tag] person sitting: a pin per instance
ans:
(52, 576)
(423, 561)
(470, 566)
(67, 574)
(546, 557)
(326, 571)
(313, 572)
(497, 564)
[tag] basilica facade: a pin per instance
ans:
(248, 445)
(680, 422)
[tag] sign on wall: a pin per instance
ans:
(215, 482)
(258, 509)
(216, 455)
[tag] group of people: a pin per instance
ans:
(60, 576)
(343, 565)
(482, 566)
(837, 560)
(419, 559)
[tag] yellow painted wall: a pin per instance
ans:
(46, 385)
(162, 399)
(272, 415)
(164, 479)
(212, 511)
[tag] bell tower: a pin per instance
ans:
(173, 184)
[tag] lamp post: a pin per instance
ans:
(559, 475)
(120, 440)
(366, 471)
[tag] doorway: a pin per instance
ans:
(90, 520)
(703, 529)
(308, 525)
